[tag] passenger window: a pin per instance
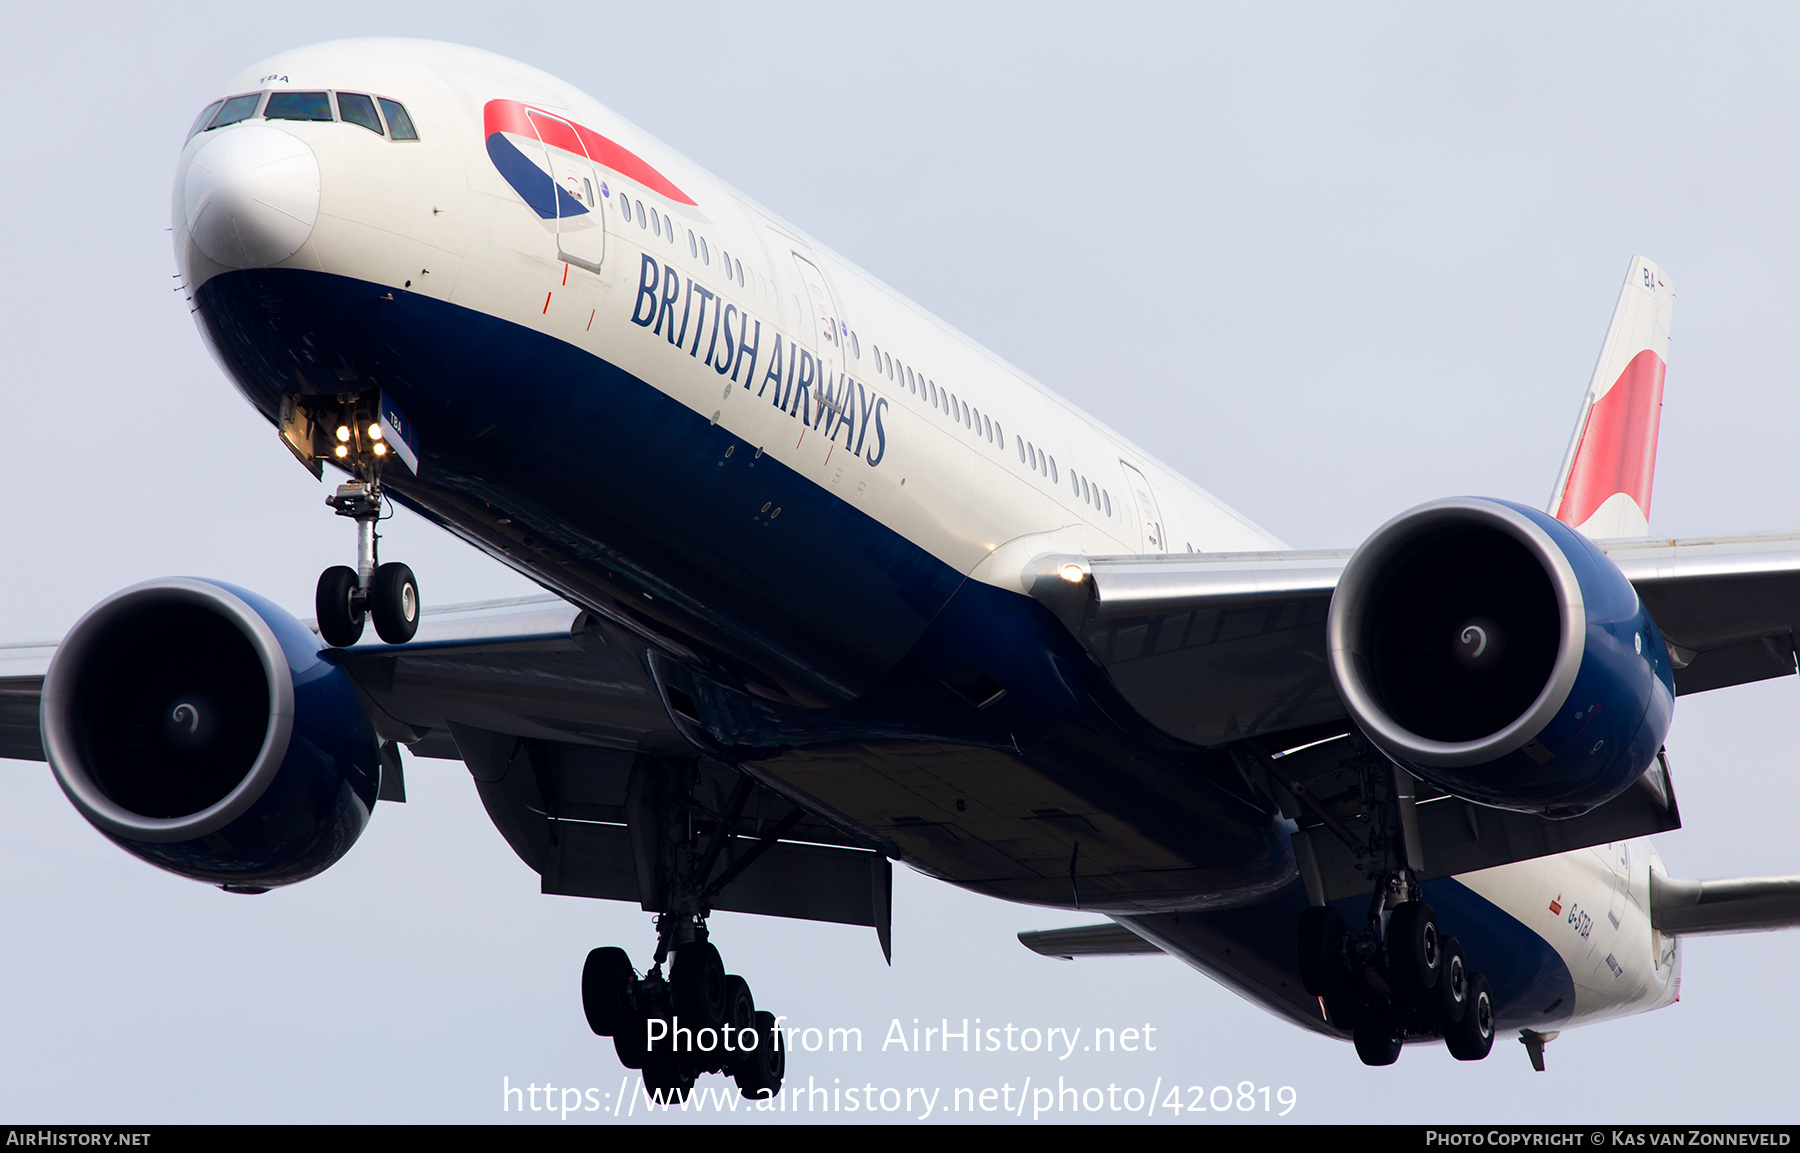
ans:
(1053, 470)
(1107, 497)
(205, 118)
(589, 185)
(999, 435)
(739, 268)
(400, 125)
(909, 378)
(855, 345)
(693, 249)
(236, 109)
(656, 224)
(966, 413)
(642, 223)
(705, 257)
(668, 228)
(355, 108)
(1021, 441)
(298, 106)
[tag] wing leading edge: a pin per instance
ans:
(1213, 648)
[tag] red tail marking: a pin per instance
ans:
(1617, 452)
(547, 303)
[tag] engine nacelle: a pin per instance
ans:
(196, 725)
(1496, 653)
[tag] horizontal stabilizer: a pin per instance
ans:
(1741, 905)
(1087, 941)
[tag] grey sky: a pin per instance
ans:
(1327, 261)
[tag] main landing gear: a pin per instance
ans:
(698, 1019)
(1399, 978)
(388, 593)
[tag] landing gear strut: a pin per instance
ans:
(697, 1018)
(346, 596)
(1399, 977)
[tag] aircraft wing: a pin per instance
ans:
(22, 669)
(553, 712)
(1214, 648)
(1728, 607)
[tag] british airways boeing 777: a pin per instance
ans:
(830, 586)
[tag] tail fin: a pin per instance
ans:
(1604, 487)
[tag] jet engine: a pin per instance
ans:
(197, 725)
(1498, 654)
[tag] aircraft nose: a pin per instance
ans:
(251, 196)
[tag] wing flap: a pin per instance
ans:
(1108, 940)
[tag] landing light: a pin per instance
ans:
(342, 451)
(380, 449)
(374, 432)
(1072, 573)
(343, 433)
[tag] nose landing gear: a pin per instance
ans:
(388, 593)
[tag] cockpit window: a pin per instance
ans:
(400, 125)
(299, 106)
(206, 115)
(235, 109)
(355, 108)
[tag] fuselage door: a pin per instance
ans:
(826, 324)
(1149, 516)
(580, 236)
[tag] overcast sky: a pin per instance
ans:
(1327, 261)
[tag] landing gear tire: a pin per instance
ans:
(667, 1077)
(629, 1043)
(334, 602)
(739, 1022)
(1376, 1042)
(606, 981)
(1415, 952)
(1346, 1010)
(760, 1071)
(1471, 1038)
(1321, 940)
(394, 603)
(697, 985)
(1453, 985)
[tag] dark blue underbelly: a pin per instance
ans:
(615, 493)
(815, 646)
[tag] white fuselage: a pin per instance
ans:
(922, 430)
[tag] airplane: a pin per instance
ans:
(844, 588)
